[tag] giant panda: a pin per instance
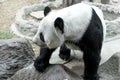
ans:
(77, 27)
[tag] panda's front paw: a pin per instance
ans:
(40, 65)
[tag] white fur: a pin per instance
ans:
(76, 20)
(72, 46)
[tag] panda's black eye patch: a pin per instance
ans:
(42, 37)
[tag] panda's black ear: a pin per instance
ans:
(59, 24)
(46, 10)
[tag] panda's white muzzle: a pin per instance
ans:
(38, 42)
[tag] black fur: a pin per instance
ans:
(91, 44)
(42, 37)
(46, 10)
(59, 23)
(64, 53)
(42, 61)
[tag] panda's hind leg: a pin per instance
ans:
(64, 52)
(91, 60)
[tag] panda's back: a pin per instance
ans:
(73, 11)
(76, 10)
(76, 19)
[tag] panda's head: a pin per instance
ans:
(51, 30)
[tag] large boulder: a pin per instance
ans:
(53, 72)
(69, 71)
(14, 55)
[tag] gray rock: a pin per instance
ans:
(14, 55)
(110, 70)
(69, 71)
(115, 1)
(105, 1)
(107, 7)
(53, 72)
(24, 23)
(113, 28)
(112, 66)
